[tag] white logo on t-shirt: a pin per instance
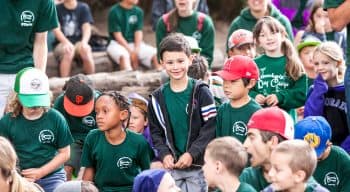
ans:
(46, 136)
(331, 179)
(89, 121)
(27, 18)
(124, 162)
(239, 128)
(132, 19)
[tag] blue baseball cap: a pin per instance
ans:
(316, 131)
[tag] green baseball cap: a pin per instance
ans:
(32, 88)
(308, 41)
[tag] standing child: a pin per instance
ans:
(76, 104)
(292, 164)
(241, 43)
(181, 116)
(125, 23)
(183, 19)
(112, 156)
(332, 169)
(240, 74)
(327, 95)
(40, 135)
(282, 80)
(224, 160)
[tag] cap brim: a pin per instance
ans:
(78, 110)
(226, 75)
(307, 44)
(320, 150)
(196, 50)
(240, 44)
(40, 100)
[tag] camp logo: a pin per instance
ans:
(46, 136)
(197, 35)
(239, 128)
(124, 162)
(35, 84)
(27, 18)
(331, 179)
(313, 139)
(88, 121)
(132, 19)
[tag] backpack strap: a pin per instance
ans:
(201, 17)
(165, 18)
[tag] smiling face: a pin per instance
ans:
(257, 5)
(269, 40)
(258, 150)
(325, 66)
(176, 64)
(184, 5)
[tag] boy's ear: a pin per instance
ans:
(273, 142)
(299, 176)
(124, 114)
(251, 83)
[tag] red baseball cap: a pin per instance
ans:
(273, 119)
(237, 67)
(240, 37)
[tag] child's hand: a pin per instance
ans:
(168, 162)
(134, 60)
(184, 161)
(271, 100)
(32, 174)
(259, 98)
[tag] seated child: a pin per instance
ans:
(292, 164)
(155, 180)
(332, 170)
(240, 74)
(224, 160)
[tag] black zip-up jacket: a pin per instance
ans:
(202, 123)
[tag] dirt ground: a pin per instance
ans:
(149, 36)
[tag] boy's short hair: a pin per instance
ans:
(240, 37)
(237, 67)
(230, 152)
(316, 131)
(174, 42)
(199, 68)
(273, 119)
(302, 156)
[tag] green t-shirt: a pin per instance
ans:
(126, 21)
(115, 166)
(233, 121)
(245, 187)
(177, 103)
(274, 80)
(334, 171)
(334, 4)
(36, 141)
(20, 20)
(79, 126)
(254, 177)
(188, 26)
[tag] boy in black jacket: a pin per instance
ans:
(182, 116)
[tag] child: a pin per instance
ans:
(240, 74)
(155, 180)
(256, 10)
(224, 160)
(110, 143)
(199, 70)
(241, 43)
(73, 36)
(282, 81)
(181, 116)
(77, 186)
(40, 135)
(320, 27)
(76, 104)
(125, 23)
(10, 180)
(332, 169)
(266, 128)
(327, 95)
(292, 164)
(184, 19)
